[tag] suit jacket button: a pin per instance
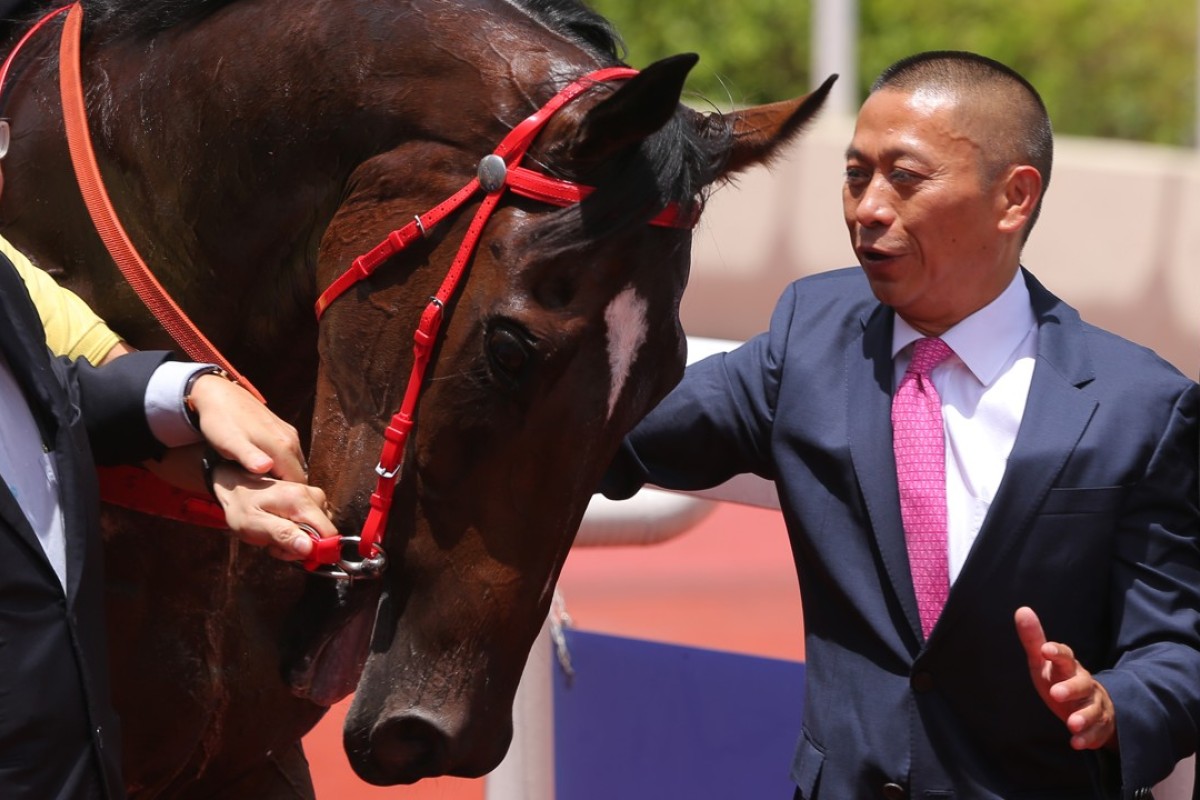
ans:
(921, 682)
(894, 791)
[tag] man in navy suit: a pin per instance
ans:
(1049, 645)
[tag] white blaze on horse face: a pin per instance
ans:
(626, 321)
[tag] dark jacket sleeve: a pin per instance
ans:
(715, 424)
(112, 401)
(1156, 605)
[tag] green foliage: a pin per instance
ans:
(750, 50)
(1110, 68)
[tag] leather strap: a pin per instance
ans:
(142, 491)
(87, 173)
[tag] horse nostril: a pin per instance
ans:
(408, 748)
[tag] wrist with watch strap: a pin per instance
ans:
(189, 405)
(211, 458)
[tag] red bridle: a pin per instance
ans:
(497, 172)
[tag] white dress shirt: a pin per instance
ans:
(28, 469)
(983, 388)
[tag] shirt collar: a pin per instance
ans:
(985, 340)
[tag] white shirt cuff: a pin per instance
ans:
(165, 411)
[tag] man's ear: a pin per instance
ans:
(5, 137)
(1022, 191)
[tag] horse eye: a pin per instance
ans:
(508, 352)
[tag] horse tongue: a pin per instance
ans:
(335, 648)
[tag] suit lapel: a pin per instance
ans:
(24, 345)
(14, 518)
(868, 402)
(1056, 415)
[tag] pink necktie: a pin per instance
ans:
(920, 447)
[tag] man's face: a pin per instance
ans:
(922, 221)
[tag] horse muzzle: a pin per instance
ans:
(409, 747)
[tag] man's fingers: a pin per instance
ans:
(263, 452)
(1078, 688)
(1091, 728)
(1029, 630)
(251, 458)
(264, 512)
(283, 539)
(316, 519)
(1067, 688)
(288, 460)
(1061, 659)
(242, 429)
(1085, 718)
(295, 541)
(1058, 652)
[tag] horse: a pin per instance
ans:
(253, 149)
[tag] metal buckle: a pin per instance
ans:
(351, 566)
(386, 474)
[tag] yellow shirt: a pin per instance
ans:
(72, 329)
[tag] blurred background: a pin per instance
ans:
(1118, 239)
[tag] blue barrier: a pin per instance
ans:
(651, 721)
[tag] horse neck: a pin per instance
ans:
(245, 129)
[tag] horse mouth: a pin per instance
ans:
(330, 660)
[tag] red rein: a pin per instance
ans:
(497, 172)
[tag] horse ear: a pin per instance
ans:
(634, 111)
(758, 132)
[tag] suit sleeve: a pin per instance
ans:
(715, 424)
(1155, 683)
(112, 402)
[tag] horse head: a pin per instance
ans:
(566, 333)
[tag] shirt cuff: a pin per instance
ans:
(165, 412)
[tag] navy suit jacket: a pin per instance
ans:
(1095, 526)
(59, 736)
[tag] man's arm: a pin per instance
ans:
(1146, 707)
(265, 501)
(715, 424)
(72, 329)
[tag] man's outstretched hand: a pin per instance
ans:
(1068, 689)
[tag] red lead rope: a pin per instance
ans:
(497, 172)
